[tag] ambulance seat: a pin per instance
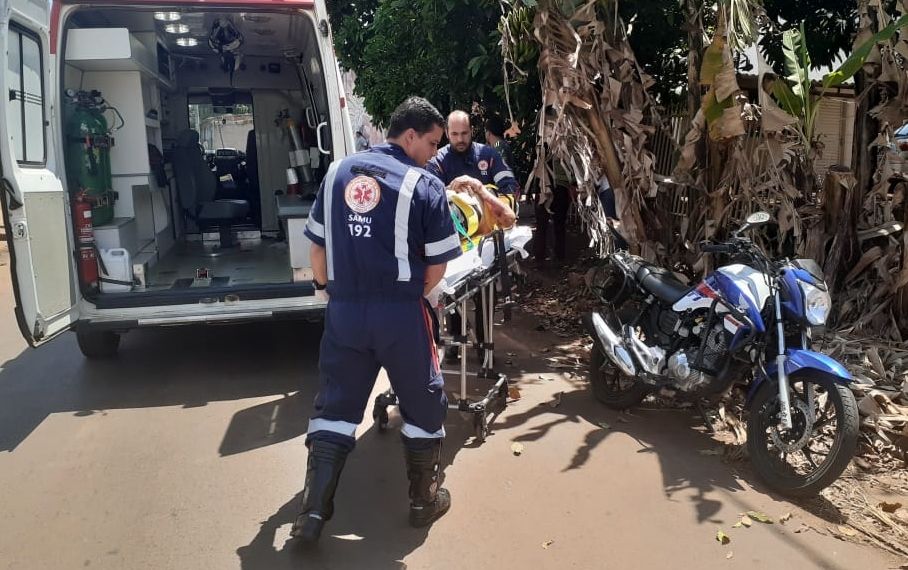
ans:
(197, 186)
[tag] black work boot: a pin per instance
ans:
(326, 461)
(427, 501)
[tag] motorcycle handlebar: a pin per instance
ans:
(707, 247)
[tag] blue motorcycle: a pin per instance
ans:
(750, 323)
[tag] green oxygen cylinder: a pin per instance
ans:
(87, 153)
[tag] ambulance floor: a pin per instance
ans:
(189, 265)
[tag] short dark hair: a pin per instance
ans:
(495, 125)
(415, 113)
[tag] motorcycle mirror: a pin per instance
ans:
(753, 220)
(758, 219)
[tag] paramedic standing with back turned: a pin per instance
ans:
(381, 236)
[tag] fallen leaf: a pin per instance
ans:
(514, 393)
(730, 555)
(802, 528)
(517, 448)
(847, 531)
(889, 507)
(714, 451)
(746, 521)
(556, 401)
(863, 463)
(760, 517)
(604, 425)
(547, 544)
(785, 518)
(623, 420)
(722, 537)
(738, 524)
(902, 515)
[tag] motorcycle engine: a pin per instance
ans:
(693, 372)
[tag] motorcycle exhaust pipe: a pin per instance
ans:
(612, 343)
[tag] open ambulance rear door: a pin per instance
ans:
(36, 211)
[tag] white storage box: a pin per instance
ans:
(119, 233)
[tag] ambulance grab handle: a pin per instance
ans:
(310, 117)
(318, 137)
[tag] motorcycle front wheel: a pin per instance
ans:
(806, 459)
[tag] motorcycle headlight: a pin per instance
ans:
(817, 303)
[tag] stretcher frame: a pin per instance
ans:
(482, 283)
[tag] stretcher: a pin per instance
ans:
(484, 275)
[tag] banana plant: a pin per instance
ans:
(796, 95)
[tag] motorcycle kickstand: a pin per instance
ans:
(706, 420)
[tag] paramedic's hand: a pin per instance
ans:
(321, 291)
(434, 296)
(467, 184)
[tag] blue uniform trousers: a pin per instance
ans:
(361, 336)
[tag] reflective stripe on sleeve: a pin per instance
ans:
(442, 246)
(502, 175)
(315, 227)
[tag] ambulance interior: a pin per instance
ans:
(221, 135)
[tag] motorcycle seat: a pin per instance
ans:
(661, 283)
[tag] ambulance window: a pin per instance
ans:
(25, 103)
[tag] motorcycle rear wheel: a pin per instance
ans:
(835, 429)
(611, 386)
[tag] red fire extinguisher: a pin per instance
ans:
(85, 241)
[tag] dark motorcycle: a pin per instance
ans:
(750, 323)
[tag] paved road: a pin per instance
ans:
(185, 452)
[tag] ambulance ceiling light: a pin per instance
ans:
(167, 16)
(176, 29)
(187, 42)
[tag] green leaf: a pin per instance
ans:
(856, 61)
(787, 100)
(797, 61)
(742, 30)
(475, 65)
(722, 537)
(757, 516)
(713, 108)
(713, 61)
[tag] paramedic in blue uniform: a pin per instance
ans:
(381, 236)
(463, 157)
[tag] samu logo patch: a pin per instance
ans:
(362, 194)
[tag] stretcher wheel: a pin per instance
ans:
(480, 427)
(380, 415)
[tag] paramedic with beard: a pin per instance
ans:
(381, 236)
(463, 157)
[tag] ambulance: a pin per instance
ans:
(160, 160)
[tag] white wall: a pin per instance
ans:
(835, 128)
